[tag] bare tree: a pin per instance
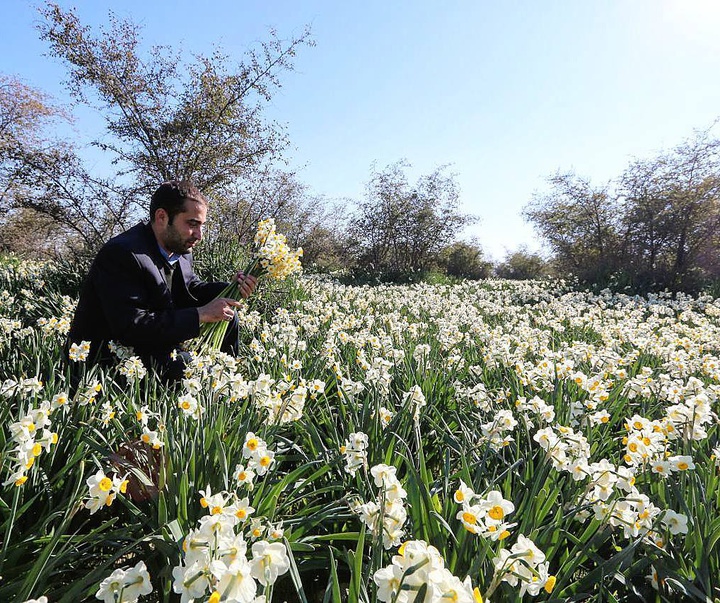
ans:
(671, 213)
(580, 224)
(164, 118)
(659, 230)
(168, 119)
(398, 229)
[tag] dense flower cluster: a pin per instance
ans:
(125, 585)
(386, 515)
(418, 567)
(524, 565)
(484, 515)
(272, 254)
(102, 490)
(31, 434)
(226, 556)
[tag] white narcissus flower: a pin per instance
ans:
(677, 523)
(448, 587)
(190, 406)
(681, 463)
(464, 494)
(382, 474)
(214, 503)
(109, 591)
(496, 506)
(125, 585)
(241, 509)
(244, 475)
(137, 582)
(190, 581)
(528, 552)
(234, 581)
(79, 351)
(103, 490)
(269, 561)
(388, 580)
(471, 517)
(253, 445)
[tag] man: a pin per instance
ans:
(141, 290)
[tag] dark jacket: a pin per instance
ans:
(126, 299)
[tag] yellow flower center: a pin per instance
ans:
(550, 584)
(469, 518)
(496, 512)
(105, 484)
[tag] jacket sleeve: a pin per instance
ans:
(137, 307)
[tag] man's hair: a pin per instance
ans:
(171, 197)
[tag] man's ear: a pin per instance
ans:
(161, 216)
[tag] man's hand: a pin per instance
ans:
(247, 283)
(218, 309)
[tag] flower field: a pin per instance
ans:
(493, 440)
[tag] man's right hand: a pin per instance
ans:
(218, 309)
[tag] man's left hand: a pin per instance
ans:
(247, 283)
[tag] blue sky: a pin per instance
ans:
(506, 93)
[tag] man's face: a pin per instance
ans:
(185, 231)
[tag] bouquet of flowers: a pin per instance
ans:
(272, 257)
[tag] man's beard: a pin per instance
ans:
(176, 244)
